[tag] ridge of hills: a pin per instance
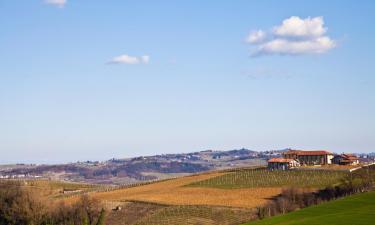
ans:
(129, 171)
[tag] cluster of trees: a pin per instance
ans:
(292, 199)
(20, 205)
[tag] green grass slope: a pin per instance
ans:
(354, 210)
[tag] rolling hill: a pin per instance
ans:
(353, 210)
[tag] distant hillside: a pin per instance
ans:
(358, 209)
(140, 169)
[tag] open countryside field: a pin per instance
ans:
(53, 188)
(196, 215)
(175, 192)
(252, 188)
(175, 205)
(142, 213)
(354, 210)
(259, 178)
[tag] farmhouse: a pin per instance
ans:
(309, 157)
(282, 164)
(345, 159)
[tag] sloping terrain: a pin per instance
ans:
(261, 178)
(139, 169)
(246, 188)
(143, 213)
(177, 192)
(220, 197)
(353, 210)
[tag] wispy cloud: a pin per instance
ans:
(256, 36)
(127, 59)
(295, 36)
(58, 3)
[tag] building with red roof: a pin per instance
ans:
(282, 164)
(346, 159)
(318, 157)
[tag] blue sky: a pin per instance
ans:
(100, 79)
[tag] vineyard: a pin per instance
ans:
(221, 197)
(142, 213)
(196, 215)
(257, 178)
(177, 192)
(246, 188)
(224, 197)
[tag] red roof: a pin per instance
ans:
(280, 160)
(350, 157)
(314, 153)
(301, 152)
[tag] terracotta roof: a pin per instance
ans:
(292, 152)
(346, 160)
(349, 157)
(301, 152)
(280, 160)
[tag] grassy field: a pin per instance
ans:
(354, 210)
(259, 178)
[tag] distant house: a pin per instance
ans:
(309, 157)
(70, 191)
(345, 159)
(282, 164)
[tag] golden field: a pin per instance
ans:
(175, 192)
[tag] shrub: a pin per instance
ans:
(22, 206)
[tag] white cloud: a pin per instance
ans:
(297, 27)
(58, 3)
(295, 36)
(285, 46)
(127, 59)
(256, 36)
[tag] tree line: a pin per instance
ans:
(21, 205)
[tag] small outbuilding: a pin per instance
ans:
(282, 164)
(345, 159)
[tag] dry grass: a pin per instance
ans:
(51, 188)
(175, 192)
